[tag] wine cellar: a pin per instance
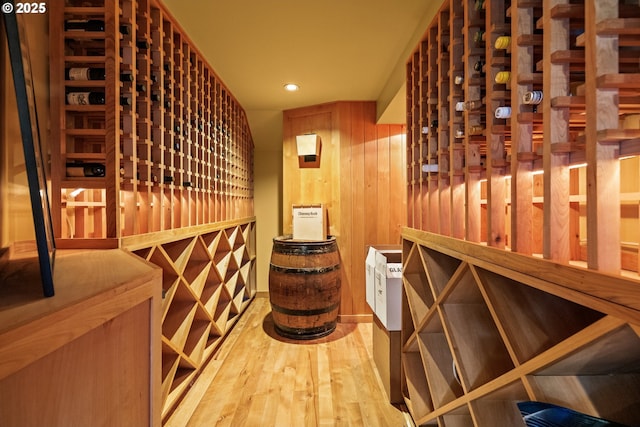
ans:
(521, 256)
(474, 164)
(152, 153)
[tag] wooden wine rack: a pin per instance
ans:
(500, 208)
(208, 280)
(516, 328)
(551, 174)
(178, 158)
(179, 155)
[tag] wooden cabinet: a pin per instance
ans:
(171, 155)
(90, 355)
(484, 329)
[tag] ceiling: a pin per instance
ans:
(334, 50)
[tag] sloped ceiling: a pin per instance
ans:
(334, 49)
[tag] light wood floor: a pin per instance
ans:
(259, 379)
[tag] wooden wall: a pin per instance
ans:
(360, 179)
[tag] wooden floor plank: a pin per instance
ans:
(259, 379)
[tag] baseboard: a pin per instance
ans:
(262, 294)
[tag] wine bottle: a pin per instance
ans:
(168, 179)
(95, 25)
(142, 88)
(84, 73)
(154, 97)
(85, 98)
(142, 44)
(125, 101)
(85, 170)
(473, 105)
(478, 67)
(503, 112)
(126, 77)
(186, 183)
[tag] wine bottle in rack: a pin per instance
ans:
(125, 101)
(126, 77)
(84, 73)
(86, 98)
(142, 44)
(503, 112)
(154, 97)
(473, 105)
(93, 170)
(94, 25)
(141, 88)
(168, 179)
(125, 29)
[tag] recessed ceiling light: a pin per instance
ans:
(291, 87)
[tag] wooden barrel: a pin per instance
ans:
(304, 287)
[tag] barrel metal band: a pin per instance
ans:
(314, 270)
(308, 312)
(304, 248)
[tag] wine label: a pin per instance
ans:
(79, 73)
(78, 98)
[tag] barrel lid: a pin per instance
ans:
(288, 238)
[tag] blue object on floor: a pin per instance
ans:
(540, 414)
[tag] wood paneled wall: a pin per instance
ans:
(360, 179)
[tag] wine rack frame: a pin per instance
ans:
(516, 328)
(559, 179)
(182, 160)
(499, 276)
(178, 184)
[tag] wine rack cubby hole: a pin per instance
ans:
(480, 335)
(151, 152)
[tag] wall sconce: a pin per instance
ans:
(308, 147)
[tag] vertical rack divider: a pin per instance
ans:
(419, 147)
(473, 84)
(441, 128)
(522, 152)
(432, 114)
(128, 170)
(603, 165)
(112, 118)
(495, 133)
(456, 121)
(556, 81)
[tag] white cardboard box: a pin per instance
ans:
(383, 282)
(309, 222)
